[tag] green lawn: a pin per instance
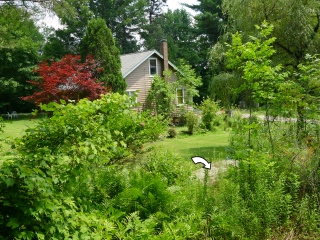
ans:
(13, 129)
(210, 145)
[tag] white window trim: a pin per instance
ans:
(183, 96)
(152, 75)
(130, 93)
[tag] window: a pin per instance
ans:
(153, 69)
(133, 95)
(180, 96)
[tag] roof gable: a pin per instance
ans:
(129, 62)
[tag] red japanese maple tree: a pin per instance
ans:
(69, 79)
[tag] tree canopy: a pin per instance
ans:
(296, 25)
(99, 42)
(68, 79)
(20, 43)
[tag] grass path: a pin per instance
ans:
(211, 145)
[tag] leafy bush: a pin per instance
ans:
(105, 129)
(146, 193)
(160, 97)
(210, 118)
(167, 165)
(48, 187)
(252, 200)
(172, 133)
(192, 122)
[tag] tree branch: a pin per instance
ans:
(284, 48)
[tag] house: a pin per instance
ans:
(139, 68)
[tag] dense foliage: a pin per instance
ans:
(68, 79)
(98, 41)
(56, 186)
(160, 97)
(20, 42)
(80, 175)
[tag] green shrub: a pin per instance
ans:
(146, 193)
(192, 122)
(210, 118)
(103, 130)
(252, 200)
(167, 165)
(172, 133)
(48, 188)
(159, 99)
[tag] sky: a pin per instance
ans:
(176, 4)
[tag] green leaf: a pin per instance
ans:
(9, 182)
(13, 223)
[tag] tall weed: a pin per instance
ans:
(251, 200)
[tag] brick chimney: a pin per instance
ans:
(164, 52)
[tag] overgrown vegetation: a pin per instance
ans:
(162, 97)
(274, 190)
(86, 172)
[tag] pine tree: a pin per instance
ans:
(155, 9)
(99, 42)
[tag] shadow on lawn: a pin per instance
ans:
(209, 153)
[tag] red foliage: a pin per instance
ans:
(68, 79)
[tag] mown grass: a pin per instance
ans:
(14, 129)
(211, 145)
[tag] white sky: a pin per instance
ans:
(176, 4)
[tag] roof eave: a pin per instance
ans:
(144, 59)
(139, 63)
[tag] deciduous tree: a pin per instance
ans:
(20, 43)
(296, 31)
(69, 79)
(261, 78)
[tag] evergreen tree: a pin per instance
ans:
(99, 42)
(124, 18)
(209, 25)
(175, 26)
(154, 9)
(74, 15)
(209, 20)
